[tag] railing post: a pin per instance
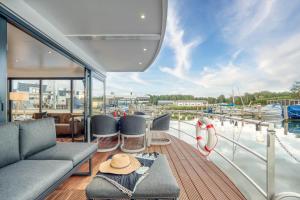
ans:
(259, 111)
(179, 130)
(285, 113)
(285, 128)
(270, 162)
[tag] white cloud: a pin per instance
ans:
(135, 76)
(272, 61)
(223, 76)
(123, 83)
(243, 18)
(175, 40)
(281, 61)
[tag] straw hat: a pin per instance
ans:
(120, 164)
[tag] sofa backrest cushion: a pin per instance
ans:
(9, 144)
(36, 135)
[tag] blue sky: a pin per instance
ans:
(214, 47)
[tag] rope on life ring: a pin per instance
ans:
(202, 125)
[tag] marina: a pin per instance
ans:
(149, 100)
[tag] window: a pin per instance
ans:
(25, 98)
(56, 96)
(78, 96)
(97, 96)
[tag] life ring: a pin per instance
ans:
(204, 126)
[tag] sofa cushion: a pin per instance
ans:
(75, 152)
(160, 183)
(36, 135)
(27, 179)
(9, 144)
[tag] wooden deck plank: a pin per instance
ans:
(183, 195)
(197, 180)
(229, 185)
(205, 178)
(196, 177)
(190, 189)
(214, 183)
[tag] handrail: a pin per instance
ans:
(250, 121)
(237, 143)
(188, 123)
(245, 148)
(243, 173)
(183, 132)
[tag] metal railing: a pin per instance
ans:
(269, 194)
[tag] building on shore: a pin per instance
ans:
(192, 103)
(126, 100)
(165, 102)
(284, 102)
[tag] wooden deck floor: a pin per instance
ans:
(197, 177)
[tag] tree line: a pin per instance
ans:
(246, 99)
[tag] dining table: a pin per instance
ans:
(149, 120)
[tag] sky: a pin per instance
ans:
(216, 47)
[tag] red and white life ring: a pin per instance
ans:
(204, 126)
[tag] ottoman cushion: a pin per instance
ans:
(160, 183)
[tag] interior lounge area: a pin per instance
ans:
(44, 83)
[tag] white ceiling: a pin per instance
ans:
(110, 31)
(27, 57)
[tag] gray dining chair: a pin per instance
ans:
(139, 113)
(105, 126)
(132, 126)
(159, 125)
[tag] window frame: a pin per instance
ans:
(10, 82)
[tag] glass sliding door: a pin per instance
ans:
(78, 96)
(56, 96)
(25, 99)
(97, 96)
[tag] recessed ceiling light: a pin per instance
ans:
(140, 63)
(145, 49)
(143, 16)
(49, 52)
(17, 60)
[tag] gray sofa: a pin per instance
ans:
(33, 164)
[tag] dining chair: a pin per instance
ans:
(132, 126)
(160, 125)
(105, 126)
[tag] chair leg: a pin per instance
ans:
(108, 149)
(159, 141)
(132, 150)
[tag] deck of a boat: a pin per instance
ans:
(197, 177)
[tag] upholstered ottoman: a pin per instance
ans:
(159, 184)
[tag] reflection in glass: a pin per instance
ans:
(23, 109)
(56, 96)
(78, 96)
(97, 96)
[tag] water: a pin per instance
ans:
(287, 170)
